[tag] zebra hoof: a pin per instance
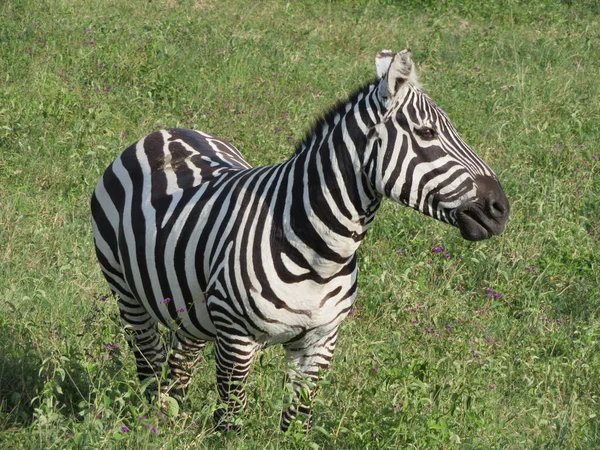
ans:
(153, 391)
(296, 426)
(222, 424)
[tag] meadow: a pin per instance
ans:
(451, 344)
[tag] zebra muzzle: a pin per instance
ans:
(487, 215)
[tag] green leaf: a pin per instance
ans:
(171, 404)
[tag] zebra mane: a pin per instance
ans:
(413, 79)
(328, 116)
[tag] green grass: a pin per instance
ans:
(428, 361)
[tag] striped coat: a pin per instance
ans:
(188, 235)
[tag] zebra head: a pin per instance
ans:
(417, 158)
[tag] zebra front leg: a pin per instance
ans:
(143, 338)
(184, 355)
(304, 364)
(233, 355)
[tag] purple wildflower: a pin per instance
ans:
(181, 310)
(355, 311)
(124, 429)
(492, 387)
(490, 293)
(437, 249)
(558, 322)
(153, 430)
(544, 319)
(166, 300)
(110, 346)
(399, 252)
(595, 157)
(103, 298)
(430, 331)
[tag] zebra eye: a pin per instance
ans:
(426, 133)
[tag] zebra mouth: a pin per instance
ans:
(475, 225)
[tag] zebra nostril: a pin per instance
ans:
(496, 209)
(495, 203)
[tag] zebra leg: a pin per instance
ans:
(144, 340)
(233, 355)
(304, 364)
(185, 353)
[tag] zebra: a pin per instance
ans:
(190, 236)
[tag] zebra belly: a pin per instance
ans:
(310, 311)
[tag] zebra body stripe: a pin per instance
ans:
(179, 260)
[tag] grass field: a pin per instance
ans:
(489, 345)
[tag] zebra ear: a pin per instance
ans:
(400, 71)
(382, 62)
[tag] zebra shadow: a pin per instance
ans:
(43, 369)
(20, 381)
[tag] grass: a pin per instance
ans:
(427, 359)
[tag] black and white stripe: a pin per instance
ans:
(188, 235)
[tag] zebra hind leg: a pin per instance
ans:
(185, 354)
(144, 339)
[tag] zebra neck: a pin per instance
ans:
(332, 200)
